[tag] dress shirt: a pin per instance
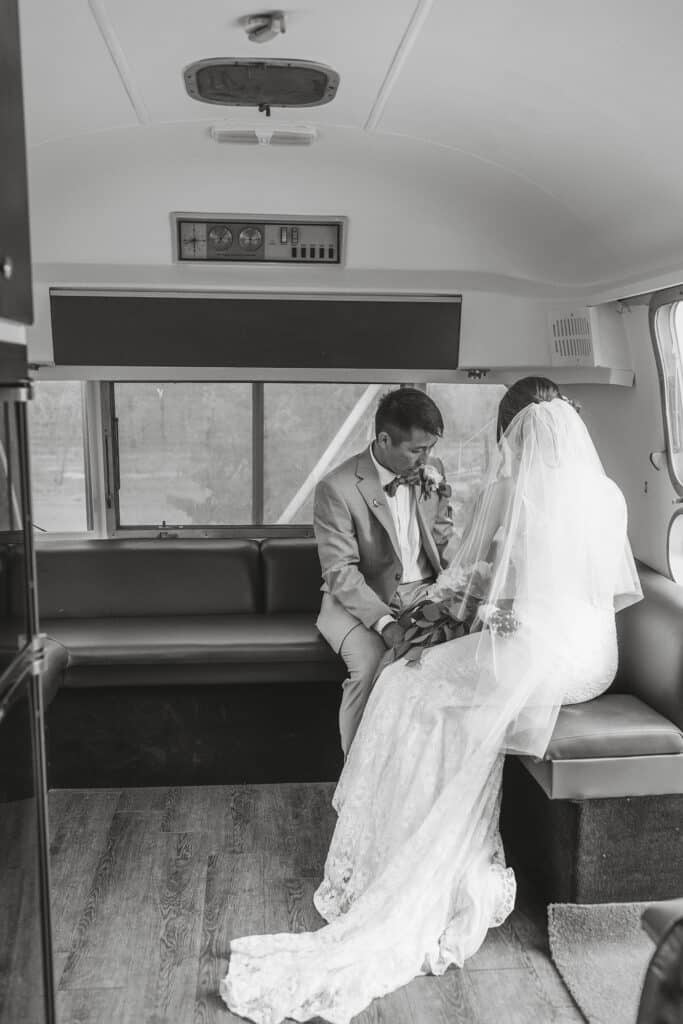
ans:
(404, 514)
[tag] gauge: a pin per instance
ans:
(192, 240)
(221, 237)
(250, 238)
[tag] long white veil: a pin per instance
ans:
(548, 538)
(414, 876)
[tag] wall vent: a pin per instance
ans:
(571, 337)
(265, 135)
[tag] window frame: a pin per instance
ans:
(102, 478)
(111, 475)
(658, 302)
(677, 514)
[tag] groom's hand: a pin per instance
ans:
(392, 634)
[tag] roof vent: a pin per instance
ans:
(264, 134)
(262, 84)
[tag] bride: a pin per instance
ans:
(415, 874)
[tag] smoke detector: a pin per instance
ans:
(265, 134)
(261, 84)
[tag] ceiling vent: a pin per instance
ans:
(265, 135)
(262, 84)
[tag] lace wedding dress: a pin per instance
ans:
(415, 874)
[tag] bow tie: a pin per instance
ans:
(394, 484)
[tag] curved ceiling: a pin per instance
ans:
(534, 140)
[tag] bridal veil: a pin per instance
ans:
(415, 874)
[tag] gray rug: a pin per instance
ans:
(602, 954)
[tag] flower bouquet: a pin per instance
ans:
(459, 609)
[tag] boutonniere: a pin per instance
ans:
(432, 482)
(427, 478)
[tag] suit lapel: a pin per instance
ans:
(369, 485)
(427, 538)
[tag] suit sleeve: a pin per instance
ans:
(339, 559)
(442, 528)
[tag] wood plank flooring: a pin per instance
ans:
(150, 885)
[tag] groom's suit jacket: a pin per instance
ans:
(359, 552)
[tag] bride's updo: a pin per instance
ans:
(527, 391)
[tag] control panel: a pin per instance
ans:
(199, 238)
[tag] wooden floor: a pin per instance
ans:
(149, 886)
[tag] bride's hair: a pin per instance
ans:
(527, 391)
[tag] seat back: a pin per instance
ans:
(291, 574)
(131, 578)
(650, 635)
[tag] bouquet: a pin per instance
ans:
(460, 609)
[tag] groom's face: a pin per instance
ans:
(406, 451)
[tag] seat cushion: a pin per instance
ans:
(613, 725)
(191, 639)
(130, 578)
(291, 574)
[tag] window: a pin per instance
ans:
(470, 413)
(666, 325)
(184, 454)
(222, 456)
(667, 319)
(58, 462)
(676, 547)
(309, 429)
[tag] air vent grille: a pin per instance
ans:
(571, 339)
(265, 135)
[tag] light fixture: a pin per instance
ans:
(261, 28)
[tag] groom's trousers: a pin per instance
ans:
(362, 650)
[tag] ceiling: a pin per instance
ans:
(537, 140)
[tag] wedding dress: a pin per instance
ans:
(415, 874)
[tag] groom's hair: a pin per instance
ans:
(404, 409)
(527, 391)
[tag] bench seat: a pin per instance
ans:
(198, 662)
(194, 639)
(614, 745)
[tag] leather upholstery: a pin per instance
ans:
(97, 579)
(591, 778)
(614, 725)
(55, 661)
(651, 646)
(659, 918)
(191, 639)
(661, 999)
(291, 575)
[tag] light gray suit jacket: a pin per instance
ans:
(358, 548)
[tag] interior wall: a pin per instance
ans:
(626, 425)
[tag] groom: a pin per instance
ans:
(380, 544)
